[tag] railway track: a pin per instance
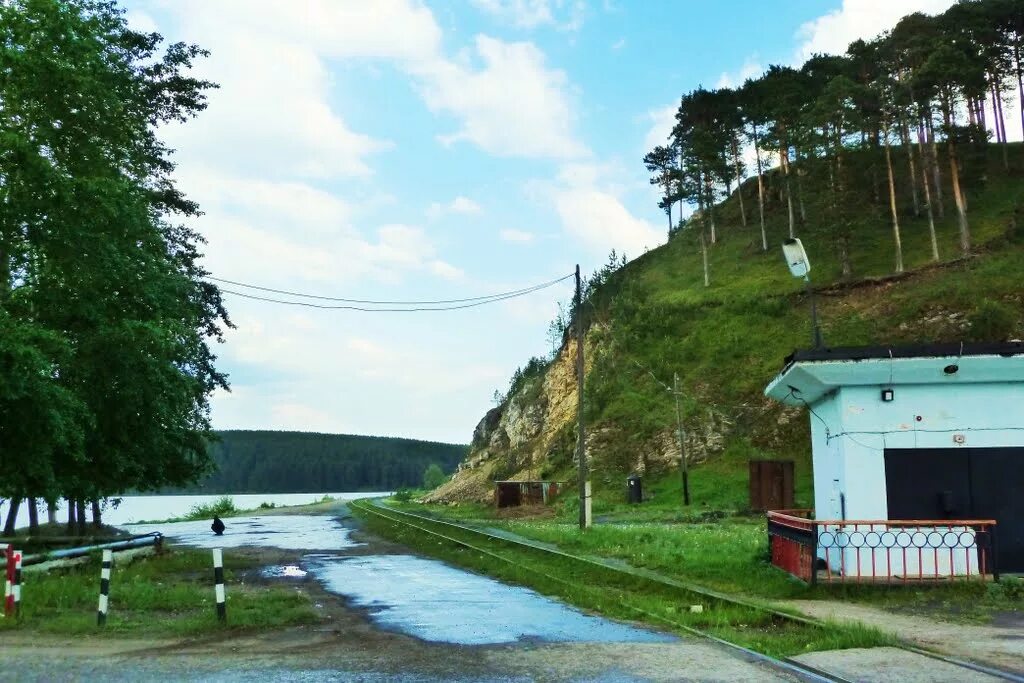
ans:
(476, 539)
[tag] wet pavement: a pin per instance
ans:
(435, 602)
(387, 615)
(423, 598)
(288, 532)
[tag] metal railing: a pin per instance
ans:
(881, 550)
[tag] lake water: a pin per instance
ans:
(139, 508)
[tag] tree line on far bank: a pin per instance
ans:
(301, 462)
(897, 123)
(105, 318)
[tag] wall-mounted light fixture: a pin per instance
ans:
(951, 369)
(888, 395)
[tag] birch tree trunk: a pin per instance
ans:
(892, 204)
(711, 207)
(704, 257)
(784, 161)
(739, 180)
(905, 137)
(760, 191)
(928, 208)
(954, 172)
(936, 170)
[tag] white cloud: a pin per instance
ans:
(588, 199)
(516, 236)
(619, 44)
(662, 121)
(141, 21)
(566, 15)
(298, 416)
(459, 205)
(277, 124)
(601, 221)
(833, 32)
(751, 68)
(513, 105)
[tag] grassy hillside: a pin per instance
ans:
(726, 341)
(295, 462)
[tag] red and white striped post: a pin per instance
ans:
(9, 582)
(16, 588)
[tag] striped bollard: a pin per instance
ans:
(101, 614)
(16, 588)
(218, 579)
(9, 583)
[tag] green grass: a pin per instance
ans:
(629, 597)
(166, 595)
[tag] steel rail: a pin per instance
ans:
(791, 667)
(376, 507)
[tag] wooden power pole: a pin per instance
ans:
(682, 442)
(581, 448)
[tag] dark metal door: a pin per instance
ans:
(997, 492)
(962, 483)
(927, 483)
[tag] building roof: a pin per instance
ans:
(809, 375)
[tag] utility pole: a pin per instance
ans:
(815, 328)
(682, 442)
(581, 450)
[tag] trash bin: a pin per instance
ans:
(634, 489)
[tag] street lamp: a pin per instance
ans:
(800, 266)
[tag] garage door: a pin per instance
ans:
(962, 483)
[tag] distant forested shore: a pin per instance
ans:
(301, 462)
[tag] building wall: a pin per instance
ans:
(920, 416)
(856, 426)
(829, 475)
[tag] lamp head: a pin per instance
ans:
(796, 257)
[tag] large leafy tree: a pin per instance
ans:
(91, 249)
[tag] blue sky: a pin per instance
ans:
(393, 149)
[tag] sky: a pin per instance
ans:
(406, 150)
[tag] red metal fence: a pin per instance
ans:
(881, 550)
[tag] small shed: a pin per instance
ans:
(771, 484)
(916, 449)
(515, 493)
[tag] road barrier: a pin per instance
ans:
(108, 561)
(218, 580)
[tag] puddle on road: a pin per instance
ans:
(289, 532)
(288, 571)
(432, 601)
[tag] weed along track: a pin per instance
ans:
(750, 630)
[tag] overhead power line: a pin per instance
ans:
(498, 297)
(405, 306)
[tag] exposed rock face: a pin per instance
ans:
(517, 439)
(514, 440)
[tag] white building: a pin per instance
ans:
(930, 433)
